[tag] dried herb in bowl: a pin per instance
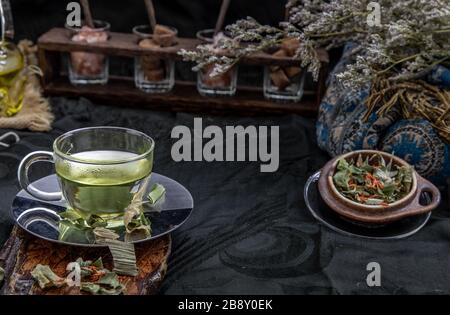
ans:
(372, 181)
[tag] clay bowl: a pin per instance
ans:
(376, 214)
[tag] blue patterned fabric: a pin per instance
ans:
(340, 128)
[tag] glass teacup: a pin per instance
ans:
(100, 170)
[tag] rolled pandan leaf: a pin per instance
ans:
(124, 257)
(156, 193)
(138, 228)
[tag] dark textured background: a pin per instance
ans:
(32, 18)
(250, 233)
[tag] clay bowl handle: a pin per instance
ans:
(424, 185)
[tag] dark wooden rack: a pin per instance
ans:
(184, 97)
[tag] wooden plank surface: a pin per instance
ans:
(184, 97)
(124, 44)
(22, 252)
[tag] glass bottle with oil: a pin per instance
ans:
(13, 74)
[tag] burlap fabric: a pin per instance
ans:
(36, 113)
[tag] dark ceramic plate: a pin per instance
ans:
(40, 218)
(395, 230)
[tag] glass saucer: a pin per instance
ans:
(41, 218)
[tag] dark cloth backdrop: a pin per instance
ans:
(250, 232)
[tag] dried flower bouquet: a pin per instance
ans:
(411, 38)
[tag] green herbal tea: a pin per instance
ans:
(103, 190)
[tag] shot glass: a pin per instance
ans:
(87, 67)
(284, 84)
(152, 74)
(219, 85)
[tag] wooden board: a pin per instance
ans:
(126, 45)
(184, 97)
(22, 252)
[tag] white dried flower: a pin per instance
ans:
(413, 37)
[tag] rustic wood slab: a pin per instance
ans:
(22, 252)
(184, 97)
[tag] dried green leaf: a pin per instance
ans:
(75, 232)
(134, 218)
(341, 179)
(46, 278)
(90, 287)
(405, 176)
(156, 193)
(110, 279)
(389, 189)
(124, 257)
(102, 233)
(342, 165)
(109, 284)
(71, 214)
(96, 289)
(98, 263)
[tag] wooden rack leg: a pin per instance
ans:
(50, 63)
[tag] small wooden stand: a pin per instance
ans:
(22, 252)
(184, 97)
